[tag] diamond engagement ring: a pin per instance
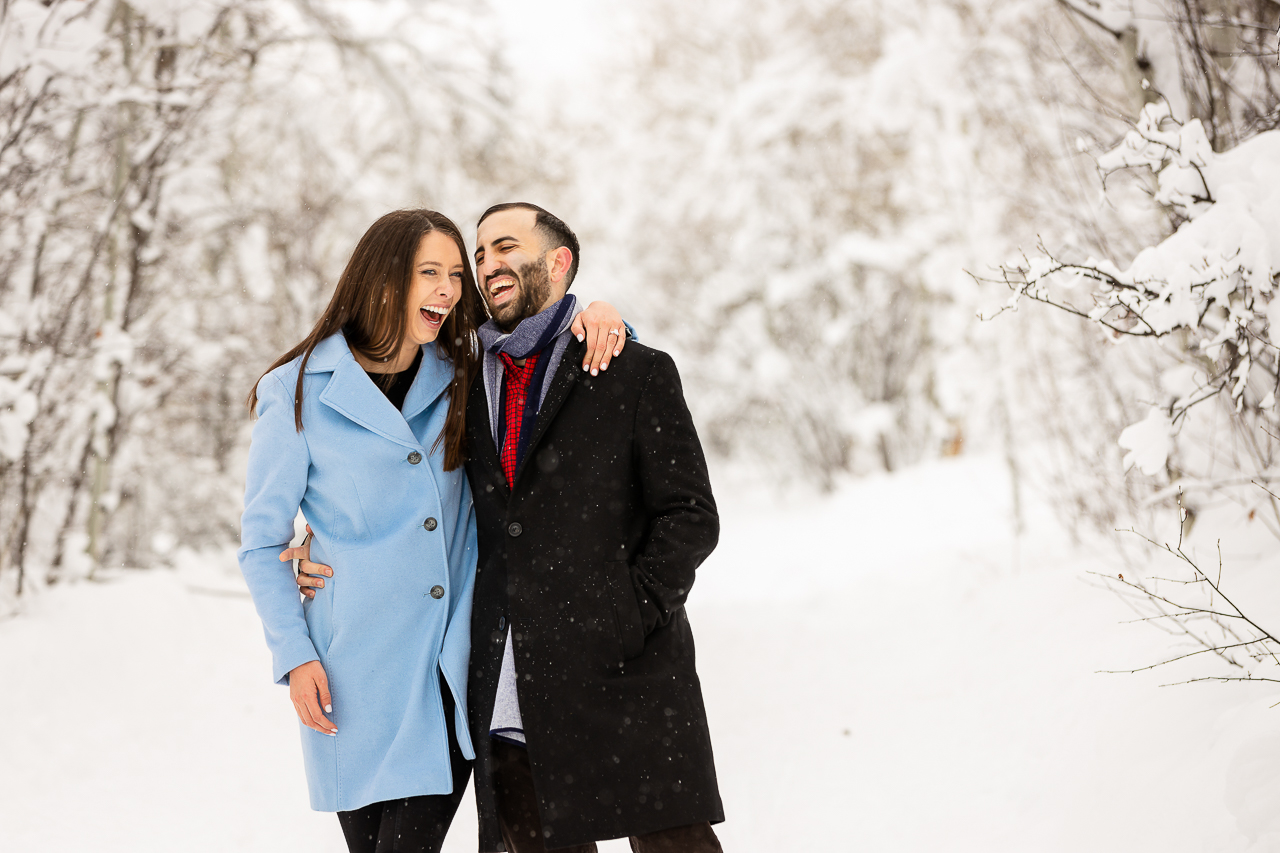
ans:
(614, 332)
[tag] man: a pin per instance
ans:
(594, 511)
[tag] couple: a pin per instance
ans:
(527, 614)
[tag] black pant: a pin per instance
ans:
(413, 824)
(522, 825)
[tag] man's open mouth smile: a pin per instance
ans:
(500, 289)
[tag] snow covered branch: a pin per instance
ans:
(1209, 289)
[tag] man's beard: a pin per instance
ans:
(533, 289)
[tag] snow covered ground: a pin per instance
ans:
(885, 669)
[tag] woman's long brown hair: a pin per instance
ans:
(369, 307)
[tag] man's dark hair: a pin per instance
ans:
(550, 228)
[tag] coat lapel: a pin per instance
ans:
(351, 393)
(479, 428)
(432, 380)
(562, 384)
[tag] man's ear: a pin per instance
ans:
(558, 263)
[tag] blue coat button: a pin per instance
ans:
(415, 457)
(430, 524)
(437, 591)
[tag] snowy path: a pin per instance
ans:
(880, 677)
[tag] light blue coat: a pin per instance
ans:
(376, 628)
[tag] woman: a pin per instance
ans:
(361, 427)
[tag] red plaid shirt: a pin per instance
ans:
(515, 392)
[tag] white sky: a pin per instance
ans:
(550, 43)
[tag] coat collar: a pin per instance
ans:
(352, 394)
(434, 376)
(480, 430)
(562, 384)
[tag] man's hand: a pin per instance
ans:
(601, 326)
(308, 572)
(306, 683)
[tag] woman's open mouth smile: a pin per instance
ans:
(434, 315)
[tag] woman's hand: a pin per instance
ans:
(308, 572)
(306, 683)
(601, 326)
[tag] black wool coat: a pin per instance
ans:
(589, 559)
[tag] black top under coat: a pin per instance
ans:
(396, 385)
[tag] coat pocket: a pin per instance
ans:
(626, 610)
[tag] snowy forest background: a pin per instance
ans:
(1037, 238)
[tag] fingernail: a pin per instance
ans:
(333, 733)
(328, 709)
(581, 338)
(617, 353)
(604, 365)
(328, 573)
(586, 367)
(595, 373)
(320, 583)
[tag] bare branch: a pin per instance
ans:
(1222, 678)
(1094, 16)
(1178, 658)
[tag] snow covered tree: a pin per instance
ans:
(1205, 150)
(354, 110)
(799, 186)
(1194, 308)
(179, 186)
(103, 98)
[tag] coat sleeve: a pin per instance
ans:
(683, 524)
(276, 481)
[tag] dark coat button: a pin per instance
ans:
(430, 524)
(437, 591)
(502, 622)
(415, 457)
(515, 529)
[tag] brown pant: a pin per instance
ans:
(522, 828)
